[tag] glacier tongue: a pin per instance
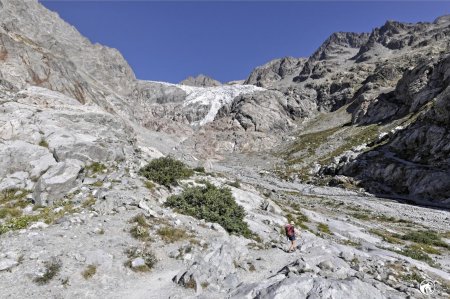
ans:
(213, 97)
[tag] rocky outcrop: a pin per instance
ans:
(200, 81)
(259, 112)
(47, 138)
(414, 161)
(275, 71)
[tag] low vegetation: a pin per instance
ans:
(52, 268)
(89, 272)
(324, 228)
(172, 234)
(149, 185)
(425, 237)
(299, 219)
(214, 205)
(96, 167)
(88, 202)
(43, 143)
(15, 220)
(139, 232)
(143, 252)
(140, 229)
(386, 236)
(166, 171)
(12, 195)
(416, 253)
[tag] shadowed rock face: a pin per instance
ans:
(415, 161)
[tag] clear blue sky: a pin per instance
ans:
(168, 41)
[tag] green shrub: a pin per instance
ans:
(166, 171)
(214, 205)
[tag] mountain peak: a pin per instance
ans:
(200, 81)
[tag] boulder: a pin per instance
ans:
(57, 182)
(6, 264)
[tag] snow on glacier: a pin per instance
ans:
(213, 97)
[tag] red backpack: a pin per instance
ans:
(290, 230)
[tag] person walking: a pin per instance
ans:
(290, 234)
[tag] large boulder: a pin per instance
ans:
(20, 156)
(57, 182)
(215, 268)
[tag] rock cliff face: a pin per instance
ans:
(397, 71)
(415, 160)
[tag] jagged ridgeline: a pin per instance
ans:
(111, 186)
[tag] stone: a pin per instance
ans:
(326, 265)
(347, 256)
(57, 182)
(137, 262)
(38, 225)
(6, 264)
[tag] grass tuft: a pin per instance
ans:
(324, 228)
(89, 272)
(172, 234)
(52, 268)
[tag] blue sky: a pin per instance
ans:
(168, 41)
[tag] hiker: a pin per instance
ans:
(290, 234)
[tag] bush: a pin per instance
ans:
(166, 171)
(214, 205)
